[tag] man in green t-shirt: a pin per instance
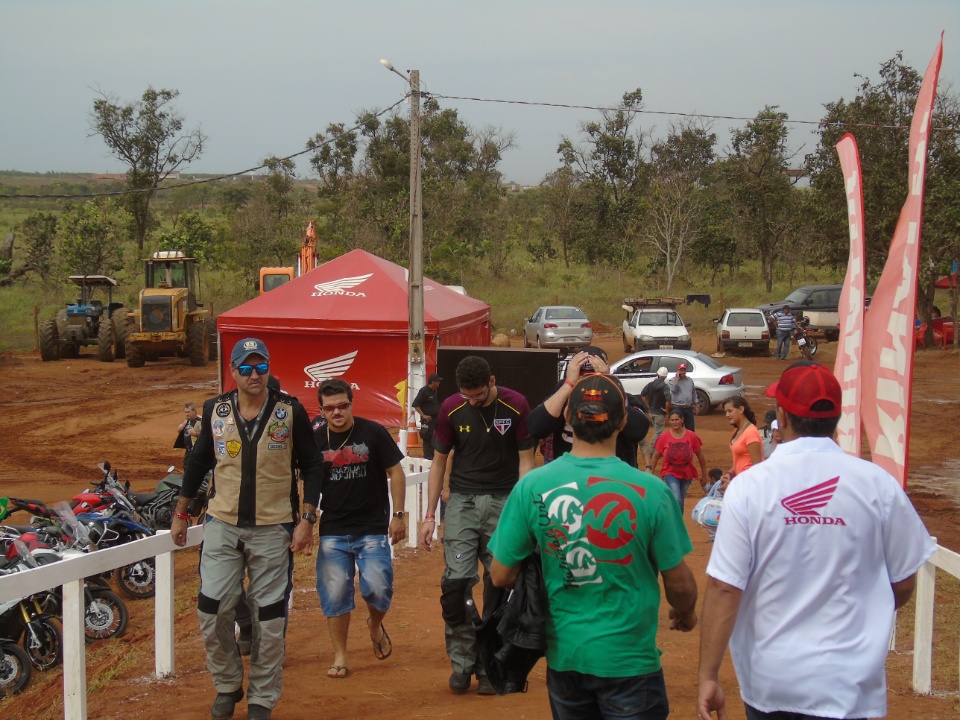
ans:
(604, 530)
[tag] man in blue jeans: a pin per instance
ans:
(604, 532)
(785, 325)
(355, 522)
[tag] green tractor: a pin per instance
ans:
(86, 322)
(170, 321)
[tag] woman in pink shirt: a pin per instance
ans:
(746, 446)
(678, 447)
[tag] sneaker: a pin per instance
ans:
(459, 683)
(245, 640)
(258, 712)
(485, 688)
(225, 704)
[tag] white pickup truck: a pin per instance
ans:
(653, 325)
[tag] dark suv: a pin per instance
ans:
(820, 303)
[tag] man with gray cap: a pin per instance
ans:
(252, 436)
(428, 407)
(654, 397)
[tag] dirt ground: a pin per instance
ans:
(61, 418)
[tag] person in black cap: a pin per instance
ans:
(547, 421)
(251, 435)
(428, 407)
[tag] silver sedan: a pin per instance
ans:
(557, 326)
(715, 383)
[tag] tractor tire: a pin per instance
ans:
(61, 318)
(134, 354)
(49, 341)
(121, 326)
(106, 347)
(198, 344)
(210, 327)
(67, 350)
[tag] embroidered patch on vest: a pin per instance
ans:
(218, 427)
(280, 414)
(233, 448)
(278, 432)
(223, 410)
(221, 448)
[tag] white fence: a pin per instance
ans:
(70, 574)
(417, 471)
(949, 562)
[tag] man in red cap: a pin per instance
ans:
(814, 552)
(683, 397)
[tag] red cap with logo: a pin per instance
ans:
(803, 386)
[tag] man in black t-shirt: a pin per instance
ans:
(188, 430)
(428, 407)
(355, 520)
(655, 395)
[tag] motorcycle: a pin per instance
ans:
(806, 343)
(14, 668)
(136, 580)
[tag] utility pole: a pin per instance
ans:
(417, 332)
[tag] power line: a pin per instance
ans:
(163, 188)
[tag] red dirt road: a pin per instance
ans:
(61, 418)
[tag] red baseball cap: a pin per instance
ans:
(682, 366)
(804, 385)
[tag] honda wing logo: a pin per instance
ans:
(343, 286)
(805, 505)
(326, 369)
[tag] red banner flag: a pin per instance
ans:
(847, 365)
(889, 326)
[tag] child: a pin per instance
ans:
(715, 474)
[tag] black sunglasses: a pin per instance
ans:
(246, 370)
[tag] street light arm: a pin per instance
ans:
(389, 66)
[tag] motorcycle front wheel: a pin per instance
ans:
(138, 580)
(105, 616)
(43, 641)
(14, 669)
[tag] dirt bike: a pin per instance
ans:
(806, 343)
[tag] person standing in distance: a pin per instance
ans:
(251, 436)
(600, 654)
(427, 406)
(683, 397)
(487, 426)
(188, 430)
(654, 397)
(785, 324)
(355, 520)
(814, 552)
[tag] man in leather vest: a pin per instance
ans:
(251, 436)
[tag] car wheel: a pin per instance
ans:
(539, 345)
(719, 346)
(703, 402)
(636, 345)
(626, 344)
(526, 343)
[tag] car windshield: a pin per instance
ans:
(797, 296)
(659, 317)
(564, 313)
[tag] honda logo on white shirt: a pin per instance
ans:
(340, 287)
(804, 505)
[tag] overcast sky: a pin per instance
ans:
(261, 78)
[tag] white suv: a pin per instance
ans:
(654, 328)
(741, 329)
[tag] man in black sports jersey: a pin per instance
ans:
(487, 425)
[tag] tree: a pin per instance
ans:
(677, 199)
(759, 187)
(91, 237)
(191, 234)
(148, 137)
(38, 233)
(886, 107)
(609, 165)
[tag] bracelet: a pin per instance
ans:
(567, 382)
(182, 516)
(431, 516)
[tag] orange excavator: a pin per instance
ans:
(273, 277)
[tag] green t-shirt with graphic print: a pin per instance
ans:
(604, 530)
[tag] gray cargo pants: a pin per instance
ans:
(264, 553)
(468, 526)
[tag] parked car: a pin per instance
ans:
(743, 329)
(715, 383)
(654, 328)
(820, 303)
(557, 326)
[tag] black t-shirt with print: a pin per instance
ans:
(355, 498)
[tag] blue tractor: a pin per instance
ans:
(87, 322)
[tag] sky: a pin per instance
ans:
(260, 78)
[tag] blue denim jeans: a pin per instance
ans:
(783, 344)
(754, 714)
(575, 696)
(338, 557)
(678, 487)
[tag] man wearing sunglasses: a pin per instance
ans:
(487, 425)
(355, 520)
(252, 436)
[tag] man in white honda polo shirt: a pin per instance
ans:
(814, 551)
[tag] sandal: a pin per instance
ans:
(338, 672)
(383, 649)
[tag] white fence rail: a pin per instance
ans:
(70, 574)
(417, 471)
(948, 561)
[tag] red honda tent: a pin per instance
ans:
(947, 281)
(348, 318)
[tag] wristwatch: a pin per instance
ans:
(310, 517)
(400, 514)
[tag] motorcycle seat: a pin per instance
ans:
(143, 498)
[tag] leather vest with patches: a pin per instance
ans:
(253, 477)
